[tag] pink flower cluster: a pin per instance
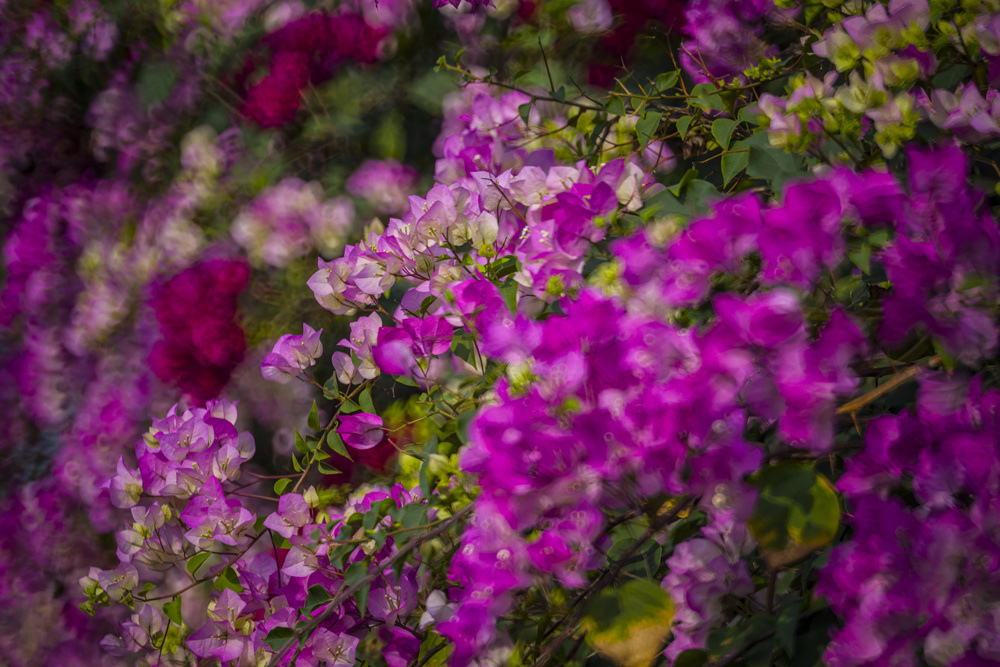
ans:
(292, 354)
(726, 37)
(384, 183)
(966, 113)
(185, 506)
(286, 221)
(922, 581)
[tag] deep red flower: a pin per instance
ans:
(273, 100)
(201, 342)
(306, 50)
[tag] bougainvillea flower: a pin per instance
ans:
(292, 355)
(361, 431)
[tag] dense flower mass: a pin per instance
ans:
(692, 363)
(946, 548)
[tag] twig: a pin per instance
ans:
(545, 60)
(201, 581)
(430, 654)
(852, 407)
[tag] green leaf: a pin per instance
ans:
(281, 485)
(647, 127)
(722, 130)
(947, 360)
(462, 351)
(560, 94)
(595, 134)
(463, 425)
(300, 444)
(662, 203)
(349, 407)
(706, 97)
(172, 610)
(325, 469)
(786, 625)
(365, 401)
(355, 573)
(748, 114)
(317, 597)
(732, 164)
(623, 536)
(195, 561)
(677, 189)
(389, 138)
(354, 521)
(629, 625)
(361, 598)
(615, 105)
(341, 552)
(733, 638)
(372, 517)
(505, 266)
(524, 111)
(385, 506)
(797, 512)
(313, 419)
(337, 445)
(155, 82)
(413, 515)
(280, 637)
(683, 123)
(427, 91)
(666, 81)
(698, 193)
(427, 303)
(693, 657)
(217, 117)
(228, 579)
(331, 389)
(862, 258)
(770, 164)
(509, 293)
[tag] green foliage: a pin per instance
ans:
(228, 579)
(629, 625)
(172, 610)
(796, 513)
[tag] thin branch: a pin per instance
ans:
(853, 406)
(201, 581)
